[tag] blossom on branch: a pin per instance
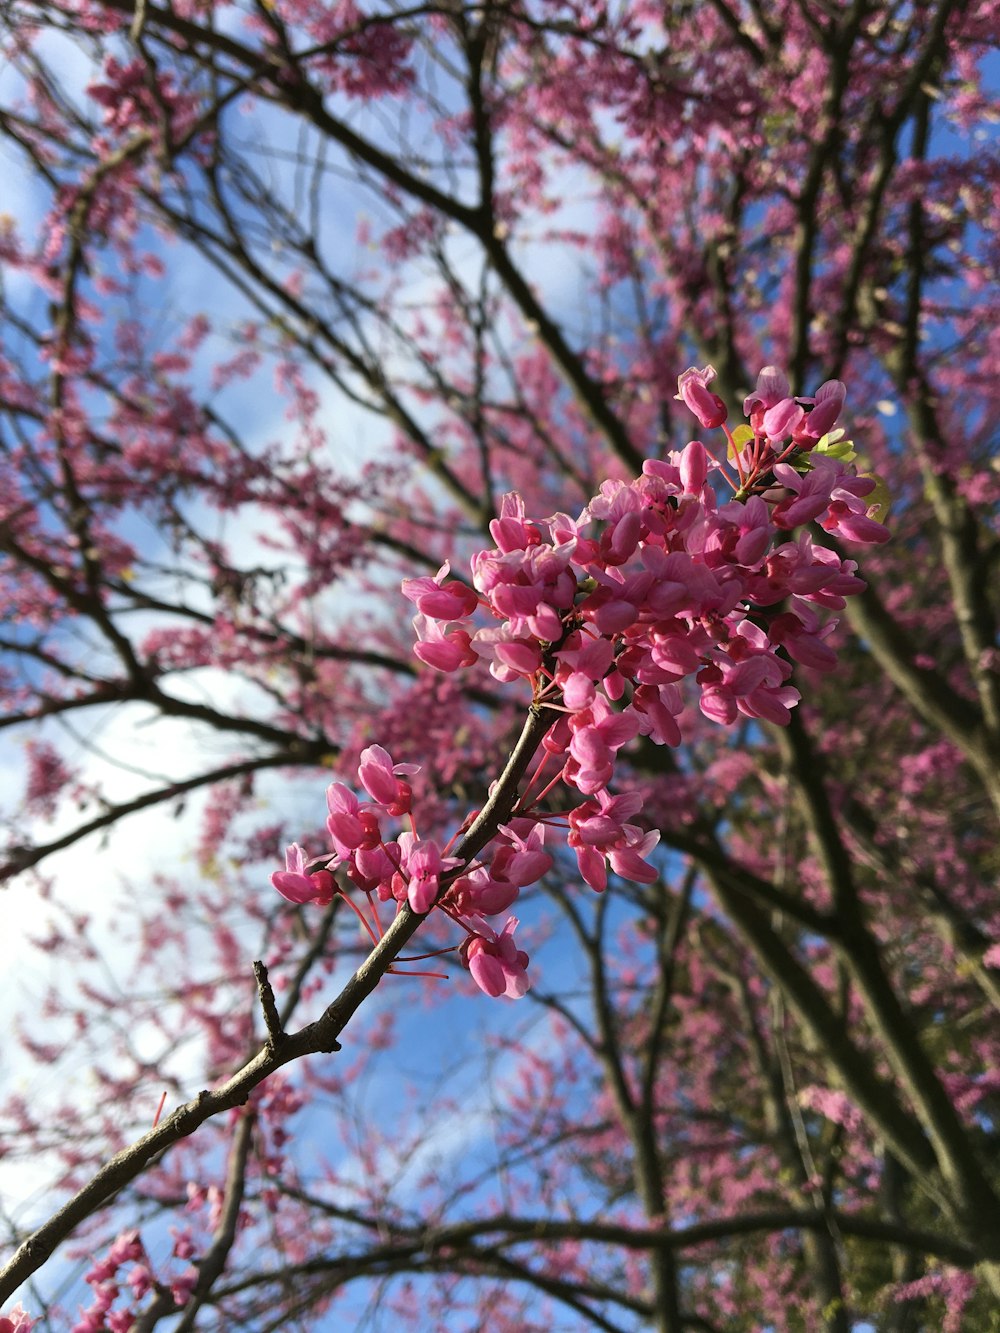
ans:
(495, 962)
(694, 393)
(606, 616)
(299, 886)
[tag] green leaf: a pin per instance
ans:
(742, 436)
(879, 499)
(834, 445)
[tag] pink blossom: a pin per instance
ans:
(955, 1286)
(496, 964)
(629, 861)
(125, 1248)
(299, 886)
(802, 634)
(382, 779)
(375, 867)
(182, 1285)
(597, 734)
(140, 1279)
(783, 419)
(184, 1246)
(443, 648)
(350, 824)
(694, 393)
(16, 1320)
(564, 530)
(619, 507)
(519, 861)
(673, 585)
(694, 463)
(439, 600)
(747, 677)
(827, 406)
(420, 870)
(599, 833)
(657, 707)
(511, 531)
(856, 527)
(523, 860)
(47, 777)
(742, 536)
(481, 893)
(582, 662)
(772, 388)
(848, 516)
(531, 589)
(810, 494)
(512, 658)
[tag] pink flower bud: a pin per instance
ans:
(694, 467)
(694, 393)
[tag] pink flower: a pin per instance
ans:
(802, 635)
(350, 825)
(564, 530)
(439, 600)
(810, 494)
(521, 861)
(140, 1279)
(511, 531)
(420, 870)
(442, 648)
(17, 1321)
(496, 964)
(744, 537)
(381, 779)
(183, 1284)
(531, 589)
(747, 678)
(827, 405)
(184, 1246)
(299, 886)
(619, 507)
(598, 834)
(512, 658)
(524, 860)
(375, 868)
(582, 662)
(694, 393)
(479, 893)
(848, 516)
(772, 388)
(629, 861)
(783, 419)
(694, 466)
(657, 707)
(597, 734)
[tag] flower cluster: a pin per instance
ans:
(660, 580)
(103, 1278)
(392, 865)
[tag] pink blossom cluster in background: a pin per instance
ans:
(112, 1288)
(659, 580)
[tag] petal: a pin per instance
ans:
(488, 974)
(296, 888)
